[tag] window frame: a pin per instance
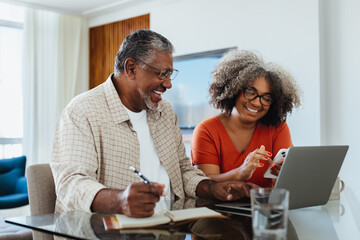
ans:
(10, 143)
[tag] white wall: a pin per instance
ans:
(273, 28)
(285, 32)
(309, 38)
(340, 82)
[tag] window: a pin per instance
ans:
(11, 42)
(189, 95)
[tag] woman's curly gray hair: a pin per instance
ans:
(238, 69)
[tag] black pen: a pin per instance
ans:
(139, 174)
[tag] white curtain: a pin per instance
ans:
(55, 70)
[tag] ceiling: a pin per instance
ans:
(75, 7)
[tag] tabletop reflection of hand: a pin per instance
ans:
(213, 229)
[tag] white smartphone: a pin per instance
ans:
(277, 159)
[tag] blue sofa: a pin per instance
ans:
(13, 186)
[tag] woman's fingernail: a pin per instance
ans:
(269, 154)
(266, 157)
(261, 164)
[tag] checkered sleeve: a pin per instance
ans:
(74, 161)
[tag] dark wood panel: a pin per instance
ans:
(105, 41)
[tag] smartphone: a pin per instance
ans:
(277, 159)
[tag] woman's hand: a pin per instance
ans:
(252, 162)
(275, 169)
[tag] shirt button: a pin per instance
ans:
(134, 133)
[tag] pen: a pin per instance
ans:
(139, 174)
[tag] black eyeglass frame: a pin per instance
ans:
(258, 96)
(164, 73)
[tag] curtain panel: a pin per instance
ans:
(55, 69)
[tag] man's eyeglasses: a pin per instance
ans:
(250, 94)
(164, 73)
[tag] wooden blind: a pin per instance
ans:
(105, 41)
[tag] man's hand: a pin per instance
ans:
(224, 191)
(137, 200)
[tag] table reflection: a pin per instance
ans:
(236, 227)
(84, 225)
(338, 219)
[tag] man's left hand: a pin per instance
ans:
(224, 191)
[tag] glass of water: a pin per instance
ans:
(270, 209)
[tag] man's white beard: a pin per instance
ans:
(149, 103)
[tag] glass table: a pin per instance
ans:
(335, 220)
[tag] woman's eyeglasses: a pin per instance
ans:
(251, 94)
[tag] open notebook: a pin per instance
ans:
(120, 221)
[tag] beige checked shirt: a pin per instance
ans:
(95, 144)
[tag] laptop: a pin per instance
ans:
(308, 172)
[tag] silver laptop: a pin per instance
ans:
(309, 173)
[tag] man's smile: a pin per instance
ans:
(157, 94)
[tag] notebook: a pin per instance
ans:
(309, 173)
(161, 217)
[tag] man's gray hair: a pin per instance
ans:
(142, 44)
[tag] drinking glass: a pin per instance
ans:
(269, 209)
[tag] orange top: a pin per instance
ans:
(211, 144)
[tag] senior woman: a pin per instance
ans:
(255, 97)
